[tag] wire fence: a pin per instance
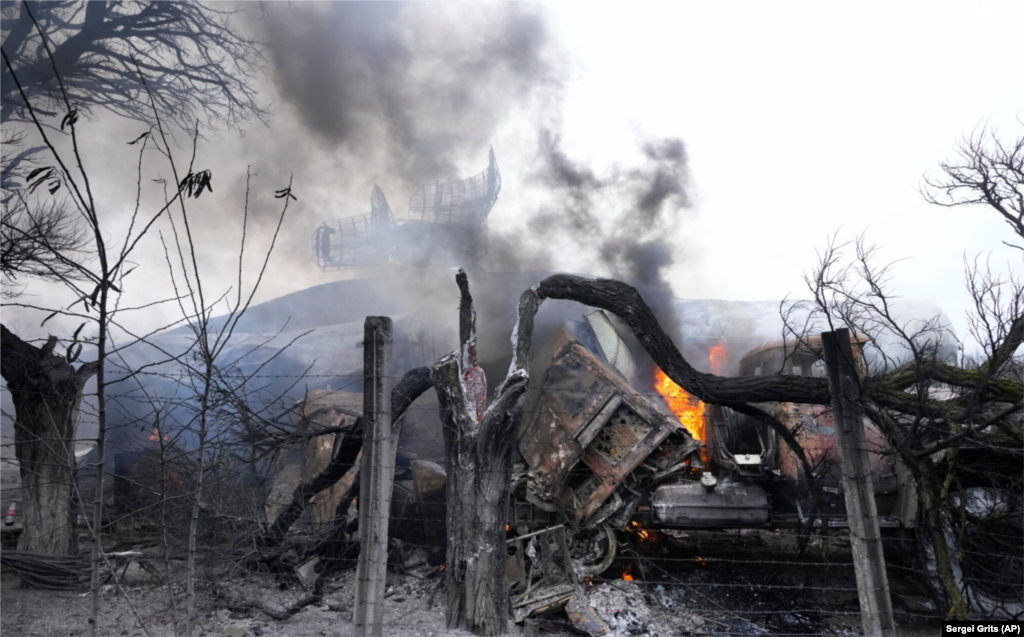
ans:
(783, 578)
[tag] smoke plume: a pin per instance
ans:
(618, 224)
(409, 87)
(401, 94)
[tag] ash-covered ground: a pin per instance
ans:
(692, 583)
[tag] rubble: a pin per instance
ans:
(623, 608)
(540, 573)
(584, 618)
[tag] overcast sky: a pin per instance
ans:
(800, 119)
(795, 120)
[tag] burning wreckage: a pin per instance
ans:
(610, 451)
(610, 447)
(602, 458)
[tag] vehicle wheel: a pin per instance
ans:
(594, 549)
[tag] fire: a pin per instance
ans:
(687, 409)
(718, 359)
(156, 435)
(634, 527)
(628, 575)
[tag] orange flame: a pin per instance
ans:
(687, 409)
(634, 527)
(718, 359)
(156, 435)
(628, 575)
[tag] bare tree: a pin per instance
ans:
(986, 171)
(199, 62)
(197, 59)
(66, 59)
(940, 414)
(106, 278)
(203, 375)
(42, 242)
(944, 407)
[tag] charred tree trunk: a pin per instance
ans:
(479, 451)
(47, 392)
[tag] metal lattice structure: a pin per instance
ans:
(361, 241)
(467, 201)
(444, 218)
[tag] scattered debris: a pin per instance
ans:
(584, 618)
(622, 606)
(307, 572)
(540, 573)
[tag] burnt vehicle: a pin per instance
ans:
(601, 456)
(609, 447)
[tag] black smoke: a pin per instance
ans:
(411, 88)
(617, 224)
(408, 93)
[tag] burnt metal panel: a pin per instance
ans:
(621, 435)
(816, 433)
(540, 572)
(594, 427)
(614, 349)
(730, 504)
(589, 431)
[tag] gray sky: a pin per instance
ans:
(795, 120)
(803, 118)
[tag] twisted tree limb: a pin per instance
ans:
(412, 385)
(886, 390)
